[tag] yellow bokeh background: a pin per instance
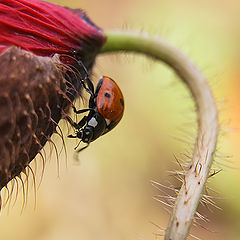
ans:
(107, 194)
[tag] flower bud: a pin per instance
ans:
(40, 46)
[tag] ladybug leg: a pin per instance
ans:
(84, 85)
(78, 125)
(82, 110)
(91, 103)
(72, 123)
(90, 88)
(82, 122)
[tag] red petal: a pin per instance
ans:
(45, 29)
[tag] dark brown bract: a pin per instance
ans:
(32, 97)
(40, 45)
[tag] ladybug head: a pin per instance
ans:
(86, 134)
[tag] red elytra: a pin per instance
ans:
(45, 29)
(110, 101)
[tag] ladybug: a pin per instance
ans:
(106, 107)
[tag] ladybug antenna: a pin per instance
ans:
(78, 151)
(77, 145)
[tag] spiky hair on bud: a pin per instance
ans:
(40, 45)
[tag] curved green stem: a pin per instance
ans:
(197, 175)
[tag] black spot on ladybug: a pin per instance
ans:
(122, 102)
(107, 95)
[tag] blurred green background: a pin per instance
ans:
(107, 194)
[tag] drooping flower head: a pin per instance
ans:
(35, 92)
(45, 29)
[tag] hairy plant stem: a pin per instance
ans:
(208, 127)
